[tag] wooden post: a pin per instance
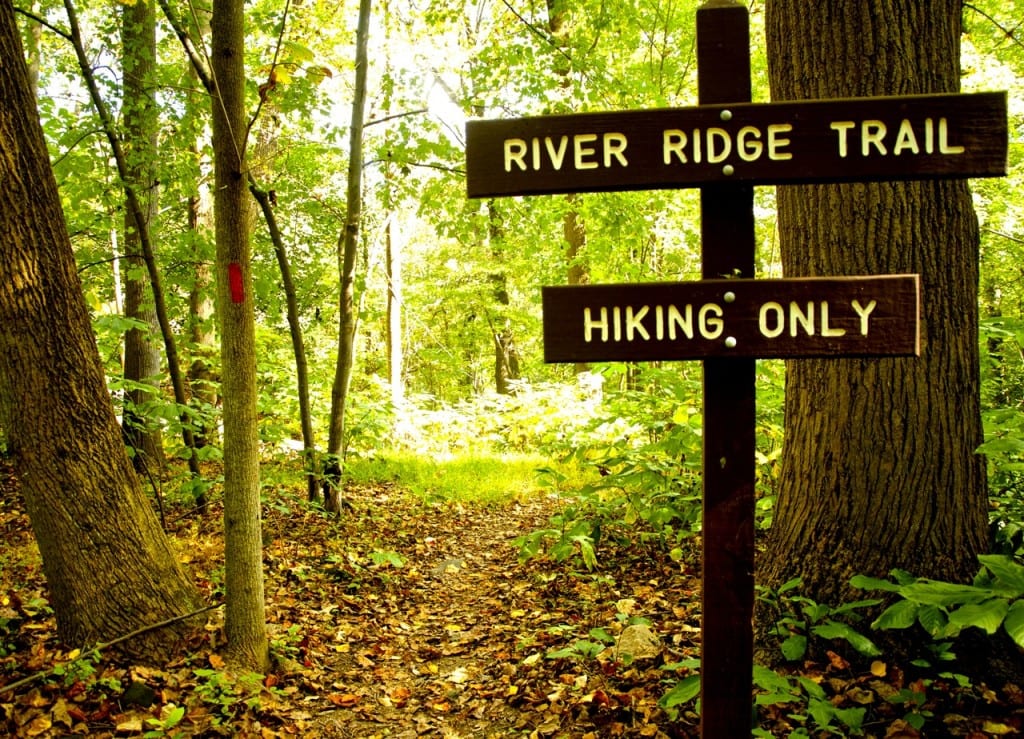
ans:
(727, 250)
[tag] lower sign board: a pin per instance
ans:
(780, 318)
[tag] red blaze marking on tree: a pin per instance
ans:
(235, 281)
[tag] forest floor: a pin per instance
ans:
(405, 619)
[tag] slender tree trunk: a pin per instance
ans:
(138, 218)
(295, 331)
(141, 354)
(202, 377)
(348, 244)
(575, 231)
(109, 566)
(879, 469)
(393, 269)
(245, 621)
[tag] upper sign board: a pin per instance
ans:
(851, 140)
(781, 318)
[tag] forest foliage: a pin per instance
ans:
(620, 443)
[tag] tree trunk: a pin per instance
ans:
(309, 460)
(109, 566)
(202, 378)
(141, 353)
(348, 244)
(575, 231)
(141, 227)
(879, 468)
(245, 621)
(393, 269)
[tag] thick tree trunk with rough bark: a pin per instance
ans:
(109, 566)
(879, 468)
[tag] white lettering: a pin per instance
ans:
(779, 319)
(580, 151)
(775, 143)
(842, 128)
(801, 318)
(673, 144)
(634, 323)
(863, 312)
(614, 147)
(872, 133)
(589, 324)
(710, 318)
(515, 153)
(827, 330)
(749, 151)
(905, 139)
(944, 147)
(557, 156)
(684, 321)
(716, 155)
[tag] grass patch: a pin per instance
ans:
(482, 479)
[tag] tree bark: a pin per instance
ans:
(141, 353)
(109, 566)
(309, 455)
(348, 243)
(879, 468)
(245, 621)
(202, 376)
(137, 217)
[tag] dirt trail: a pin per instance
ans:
(455, 642)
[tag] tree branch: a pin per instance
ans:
(43, 22)
(1009, 33)
(106, 645)
(198, 64)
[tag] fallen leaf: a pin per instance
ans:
(343, 700)
(991, 727)
(38, 726)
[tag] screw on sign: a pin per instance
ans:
(725, 146)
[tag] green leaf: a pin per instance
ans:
(794, 647)
(945, 594)
(900, 615)
(683, 691)
(1014, 622)
(935, 621)
(987, 616)
(837, 630)
(873, 583)
(1006, 570)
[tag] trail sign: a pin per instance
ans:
(725, 146)
(908, 137)
(787, 318)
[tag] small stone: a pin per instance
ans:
(637, 642)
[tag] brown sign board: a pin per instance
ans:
(771, 318)
(848, 140)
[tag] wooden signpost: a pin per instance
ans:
(725, 146)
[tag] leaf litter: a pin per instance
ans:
(406, 619)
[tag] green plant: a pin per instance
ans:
(170, 716)
(995, 599)
(797, 618)
(682, 691)
(811, 707)
(226, 695)
(80, 668)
